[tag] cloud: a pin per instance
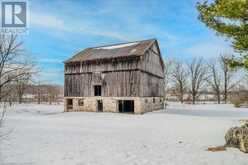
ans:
(52, 76)
(56, 23)
(50, 60)
(47, 20)
(209, 49)
(78, 24)
(112, 21)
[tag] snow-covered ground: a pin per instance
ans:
(44, 135)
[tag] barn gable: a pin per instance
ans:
(152, 60)
(126, 77)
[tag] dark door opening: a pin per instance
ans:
(126, 106)
(97, 90)
(99, 106)
(69, 104)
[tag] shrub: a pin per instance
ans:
(238, 100)
(237, 137)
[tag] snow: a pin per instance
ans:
(44, 135)
(118, 46)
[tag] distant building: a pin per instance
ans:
(203, 96)
(125, 77)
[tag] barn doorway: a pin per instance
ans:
(126, 106)
(69, 104)
(97, 90)
(99, 106)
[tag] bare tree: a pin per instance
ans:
(215, 80)
(53, 92)
(12, 65)
(21, 85)
(246, 81)
(3, 112)
(179, 76)
(167, 74)
(39, 93)
(220, 78)
(197, 77)
(227, 76)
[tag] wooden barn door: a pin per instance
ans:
(99, 106)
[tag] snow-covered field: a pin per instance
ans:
(43, 135)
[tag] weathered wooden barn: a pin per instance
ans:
(126, 78)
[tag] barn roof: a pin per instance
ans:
(132, 49)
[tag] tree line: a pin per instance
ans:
(198, 76)
(17, 71)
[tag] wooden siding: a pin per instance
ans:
(101, 66)
(151, 86)
(118, 84)
(130, 77)
(152, 61)
(114, 84)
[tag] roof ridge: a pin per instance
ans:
(89, 53)
(122, 43)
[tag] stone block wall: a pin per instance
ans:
(110, 104)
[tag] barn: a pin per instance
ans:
(124, 78)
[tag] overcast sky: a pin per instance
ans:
(59, 29)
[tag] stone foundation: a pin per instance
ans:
(110, 104)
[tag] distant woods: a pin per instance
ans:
(201, 80)
(215, 80)
(228, 18)
(16, 75)
(14, 67)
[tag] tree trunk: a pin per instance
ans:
(181, 93)
(20, 99)
(38, 99)
(181, 98)
(193, 98)
(50, 100)
(218, 97)
(225, 94)
(225, 81)
(0, 94)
